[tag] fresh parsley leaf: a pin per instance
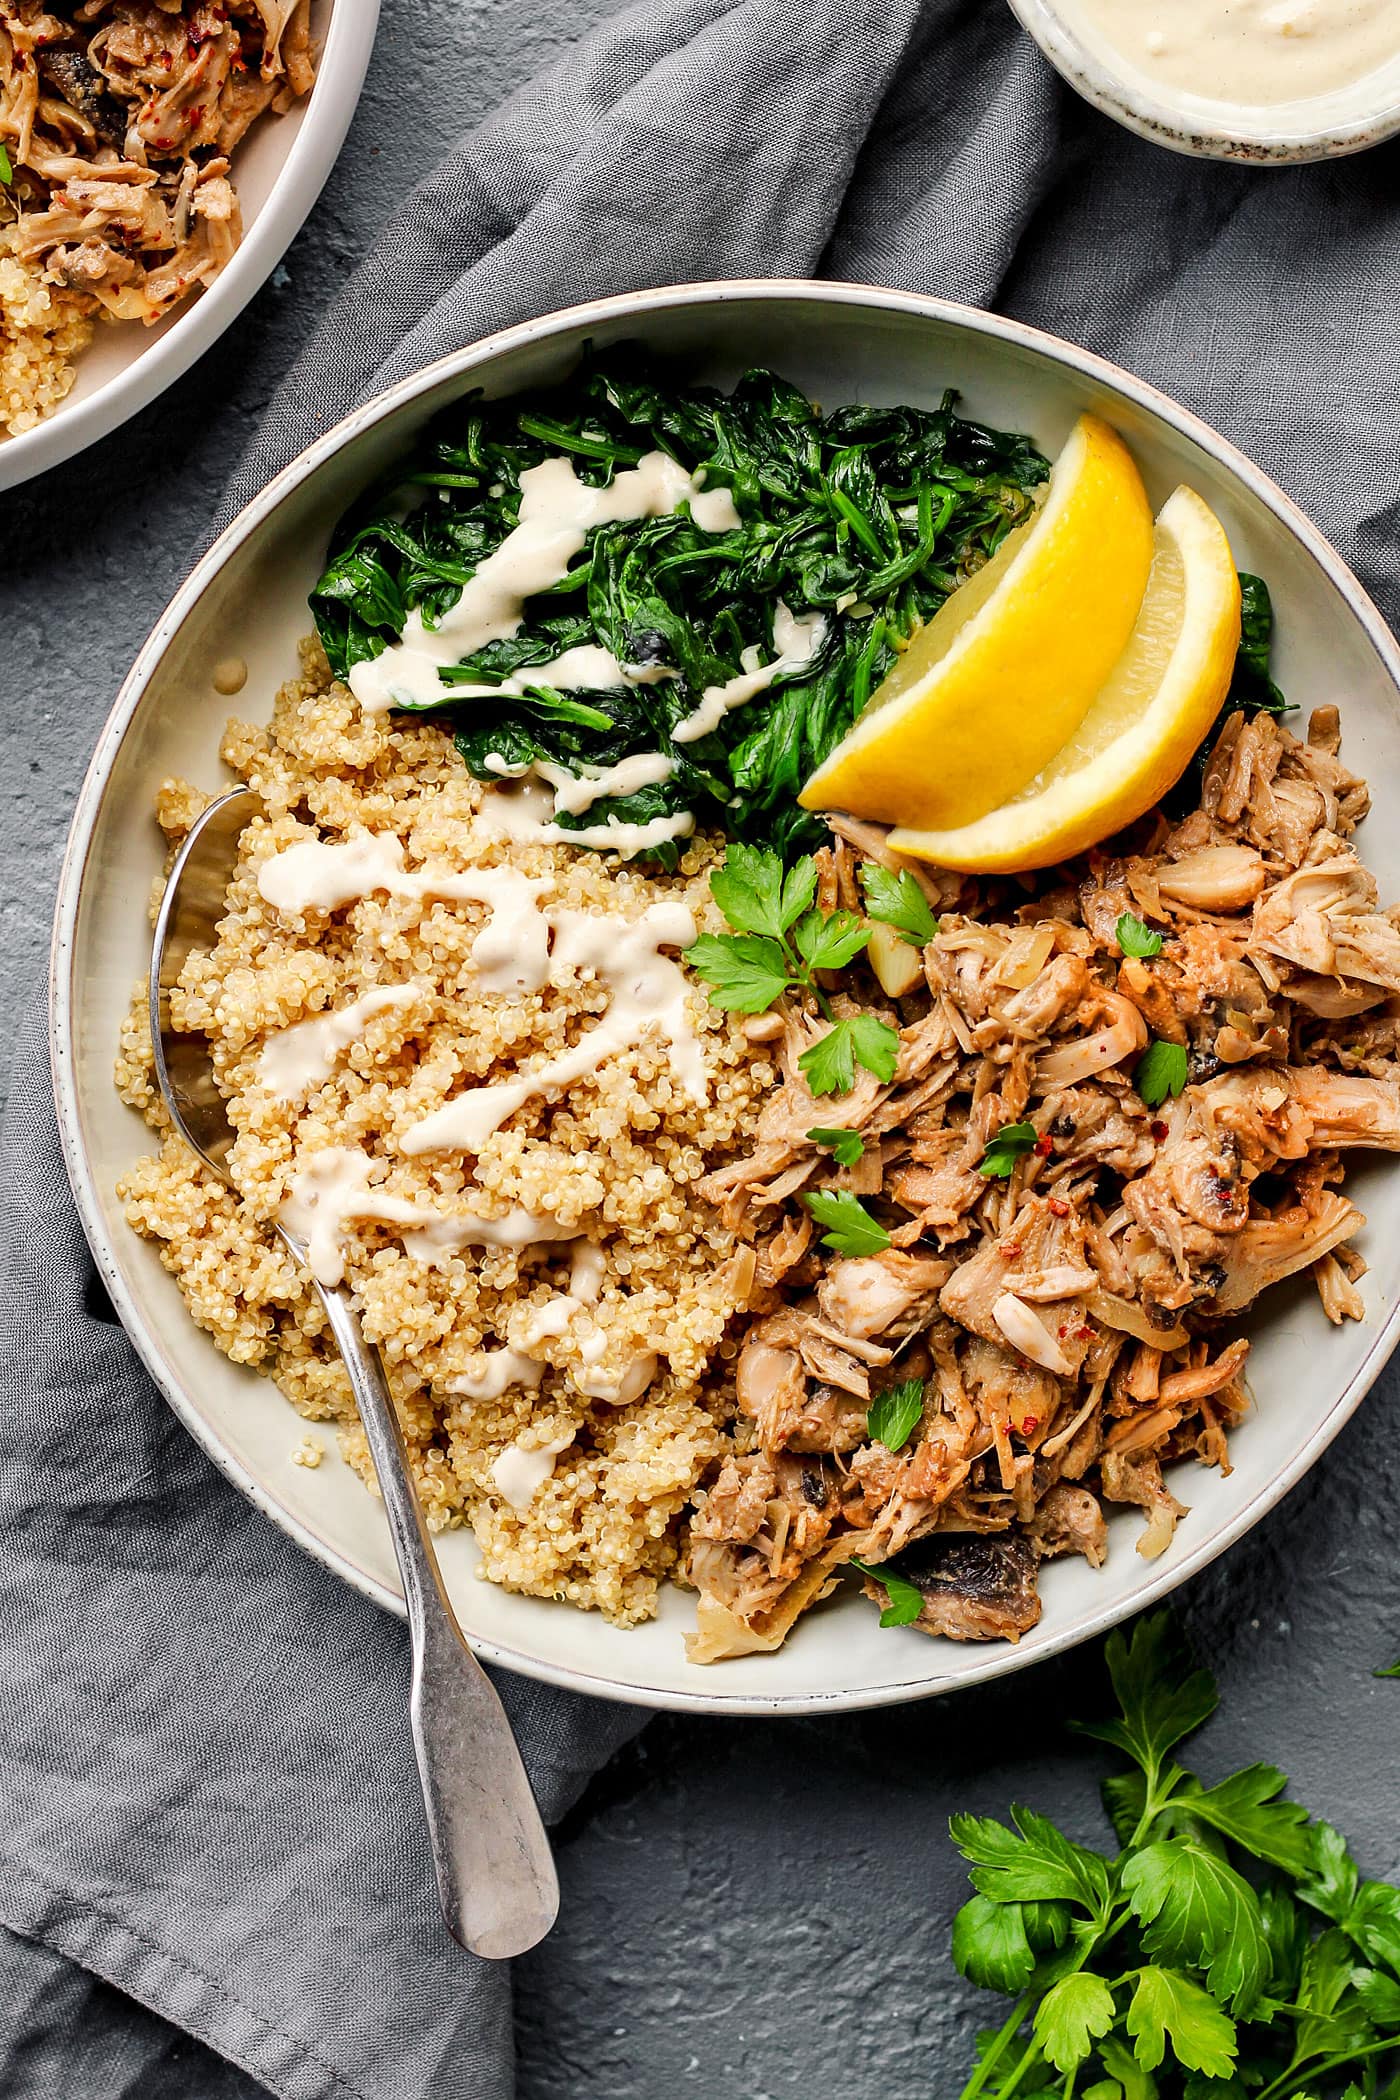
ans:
(1244, 1808)
(799, 888)
(906, 1600)
(1373, 1922)
(1163, 1696)
(876, 1045)
(1167, 2005)
(1071, 2017)
(850, 1227)
(1134, 938)
(829, 943)
(745, 972)
(829, 1065)
(1287, 1931)
(1161, 1070)
(896, 900)
(846, 1147)
(1047, 1925)
(1333, 1877)
(991, 1947)
(1332, 2020)
(1235, 1996)
(1136, 2084)
(1327, 1972)
(895, 1414)
(7, 173)
(1390, 1670)
(1010, 1143)
(748, 888)
(1196, 1909)
(1033, 1862)
(1380, 1995)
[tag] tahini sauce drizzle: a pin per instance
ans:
(510, 954)
(525, 812)
(647, 990)
(557, 513)
(299, 1058)
(500, 1370)
(569, 1314)
(520, 1474)
(1246, 51)
(528, 813)
(332, 1192)
(798, 640)
(520, 1471)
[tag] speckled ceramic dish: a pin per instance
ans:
(247, 598)
(279, 169)
(1321, 127)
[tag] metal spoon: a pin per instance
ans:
(495, 1872)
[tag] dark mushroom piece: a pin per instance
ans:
(975, 1586)
(72, 75)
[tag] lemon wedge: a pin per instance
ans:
(1002, 675)
(1138, 736)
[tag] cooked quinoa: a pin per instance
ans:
(612, 1162)
(44, 329)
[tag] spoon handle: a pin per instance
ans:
(495, 1871)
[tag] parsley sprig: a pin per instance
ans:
(896, 1413)
(850, 1227)
(847, 1147)
(1134, 937)
(779, 944)
(904, 1599)
(1012, 1142)
(896, 900)
(1161, 1070)
(1230, 1948)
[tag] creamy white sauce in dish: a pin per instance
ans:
(520, 1474)
(557, 513)
(298, 1058)
(797, 641)
(647, 990)
(511, 953)
(332, 1191)
(1251, 52)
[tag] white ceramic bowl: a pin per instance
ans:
(1320, 127)
(248, 598)
(279, 170)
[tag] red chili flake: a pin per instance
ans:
(1064, 1330)
(1085, 1334)
(197, 113)
(1044, 1146)
(1159, 1131)
(166, 60)
(1056, 1208)
(1028, 1426)
(1010, 1250)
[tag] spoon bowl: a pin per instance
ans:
(495, 1871)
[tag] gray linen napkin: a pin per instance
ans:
(207, 1784)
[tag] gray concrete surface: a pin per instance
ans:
(750, 1911)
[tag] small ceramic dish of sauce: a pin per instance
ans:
(1247, 80)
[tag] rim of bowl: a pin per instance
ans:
(346, 49)
(65, 992)
(1167, 123)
